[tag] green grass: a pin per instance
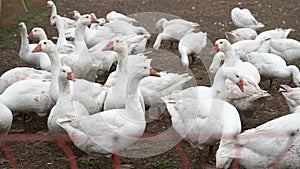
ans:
(87, 162)
(161, 164)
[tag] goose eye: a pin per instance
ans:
(64, 71)
(117, 41)
(45, 43)
(34, 30)
(237, 76)
(87, 16)
(221, 42)
(145, 67)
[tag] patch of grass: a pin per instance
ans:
(198, 77)
(51, 142)
(33, 18)
(161, 164)
(87, 162)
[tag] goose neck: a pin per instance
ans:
(24, 39)
(55, 66)
(61, 32)
(122, 61)
(79, 32)
(133, 105)
(218, 85)
(230, 57)
(64, 89)
(53, 10)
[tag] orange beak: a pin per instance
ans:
(153, 72)
(38, 48)
(94, 20)
(30, 35)
(216, 47)
(70, 76)
(240, 84)
(109, 46)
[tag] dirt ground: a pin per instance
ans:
(213, 17)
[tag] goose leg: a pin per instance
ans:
(211, 158)
(23, 126)
(158, 40)
(270, 85)
(193, 59)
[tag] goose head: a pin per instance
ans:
(66, 72)
(116, 45)
(102, 21)
(75, 14)
(22, 25)
(87, 19)
(222, 45)
(235, 76)
(143, 70)
(36, 32)
(50, 4)
(46, 46)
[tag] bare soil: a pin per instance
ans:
(32, 152)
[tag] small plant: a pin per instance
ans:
(51, 142)
(161, 164)
(88, 162)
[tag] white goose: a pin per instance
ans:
(277, 33)
(90, 94)
(232, 60)
(253, 93)
(38, 33)
(203, 121)
(173, 31)
(117, 93)
(260, 45)
(113, 16)
(21, 73)
(192, 43)
(113, 130)
(64, 104)
(84, 63)
(218, 88)
(288, 49)
(37, 59)
(240, 34)
(28, 96)
(291, 95)
(124, 28)
(271, 66)
(67, 21)
(269, 145)
(243, 18)
(136, 43)
(6, 119)
(162, 23)
(62, 44)
(151, 88)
